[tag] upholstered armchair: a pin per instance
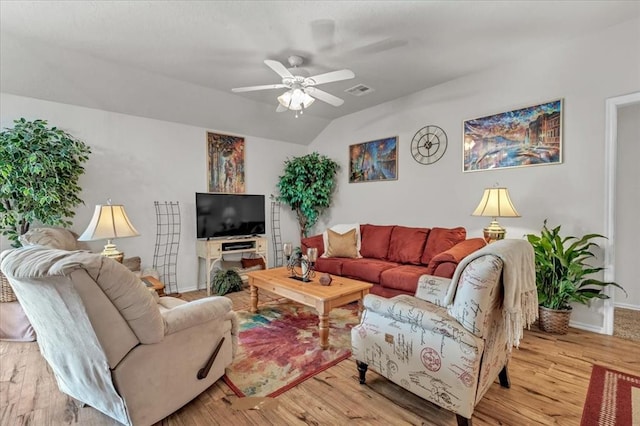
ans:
(113, 344)
(449, 342)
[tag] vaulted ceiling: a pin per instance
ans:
(179, 60)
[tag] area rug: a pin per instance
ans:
(279, 347)
(613, 399)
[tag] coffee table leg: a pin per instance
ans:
(254, 299)
(324, 330)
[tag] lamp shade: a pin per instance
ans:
(295, 99)
(108, 222)
(495, 202)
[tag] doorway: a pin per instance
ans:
(621, 194)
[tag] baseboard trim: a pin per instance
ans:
(587, 327)
(184, 290)
(627, 306)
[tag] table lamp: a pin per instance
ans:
(109, 221)
(495, 203)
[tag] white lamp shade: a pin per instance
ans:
(495, 202)
(108, 222)
(295, 99)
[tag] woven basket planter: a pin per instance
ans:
(6, 292)
(553, 320)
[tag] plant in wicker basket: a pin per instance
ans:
(226, 281)
(562, 275)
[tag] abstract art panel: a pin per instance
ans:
(522, 137)
(225, 161)
(374, 160)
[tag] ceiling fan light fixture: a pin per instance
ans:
(295, 99)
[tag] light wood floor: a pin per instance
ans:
(549, 378)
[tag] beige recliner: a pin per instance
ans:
(449, 342)
(112, 343)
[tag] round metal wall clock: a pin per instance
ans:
(428, 144)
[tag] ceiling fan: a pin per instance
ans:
(302, 91)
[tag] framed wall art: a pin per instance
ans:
(225, 163)
(530, 136)
(374, 161)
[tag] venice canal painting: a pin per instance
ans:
(373, 161)
(523, 137)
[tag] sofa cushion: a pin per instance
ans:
(341, 229)
(403, 277)
(442, 239)
(366, 269)
(330, 265)
(381, 291)
(341, 245)
(315, 241)
(407, 244)
(375, 241)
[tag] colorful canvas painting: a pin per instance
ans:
(373, 161)
(225, 171)
(522, 137)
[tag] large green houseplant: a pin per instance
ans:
(307, 186)
(564, 275)
(39, 171)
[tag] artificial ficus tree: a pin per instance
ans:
(307, 187)
(39, 171)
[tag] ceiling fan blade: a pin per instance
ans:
(279, 68)
(281, 108)
(252, 88)
(325, 97)
(329, 77)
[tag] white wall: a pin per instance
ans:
(627, 268)
(584, 73)
(136, 161)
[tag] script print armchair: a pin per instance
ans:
(110, 342)
(449, 343)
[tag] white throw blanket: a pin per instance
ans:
(520, 304)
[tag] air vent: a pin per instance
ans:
(359, 90)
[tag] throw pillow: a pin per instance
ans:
(341, 229)
(342, 245)
(54, 238)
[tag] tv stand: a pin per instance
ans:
(212, 251)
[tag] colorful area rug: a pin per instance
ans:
(613, 399)
(279, 347)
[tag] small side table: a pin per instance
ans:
(154, 283)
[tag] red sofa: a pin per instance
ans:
(394, 257)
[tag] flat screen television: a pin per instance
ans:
(229, 215)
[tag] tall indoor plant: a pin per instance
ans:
(562, 275)
(307, 186)
(39, 171)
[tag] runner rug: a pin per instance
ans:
(279, 347)
(613, 399)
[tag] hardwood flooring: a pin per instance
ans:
(549, 378)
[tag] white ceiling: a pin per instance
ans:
(178, 60)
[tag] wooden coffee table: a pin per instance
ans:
(342, 291)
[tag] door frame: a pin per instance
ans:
(610, 157)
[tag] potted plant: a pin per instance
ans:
(39, 171)
(562, 276)
(226, 281)
(307, 186)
